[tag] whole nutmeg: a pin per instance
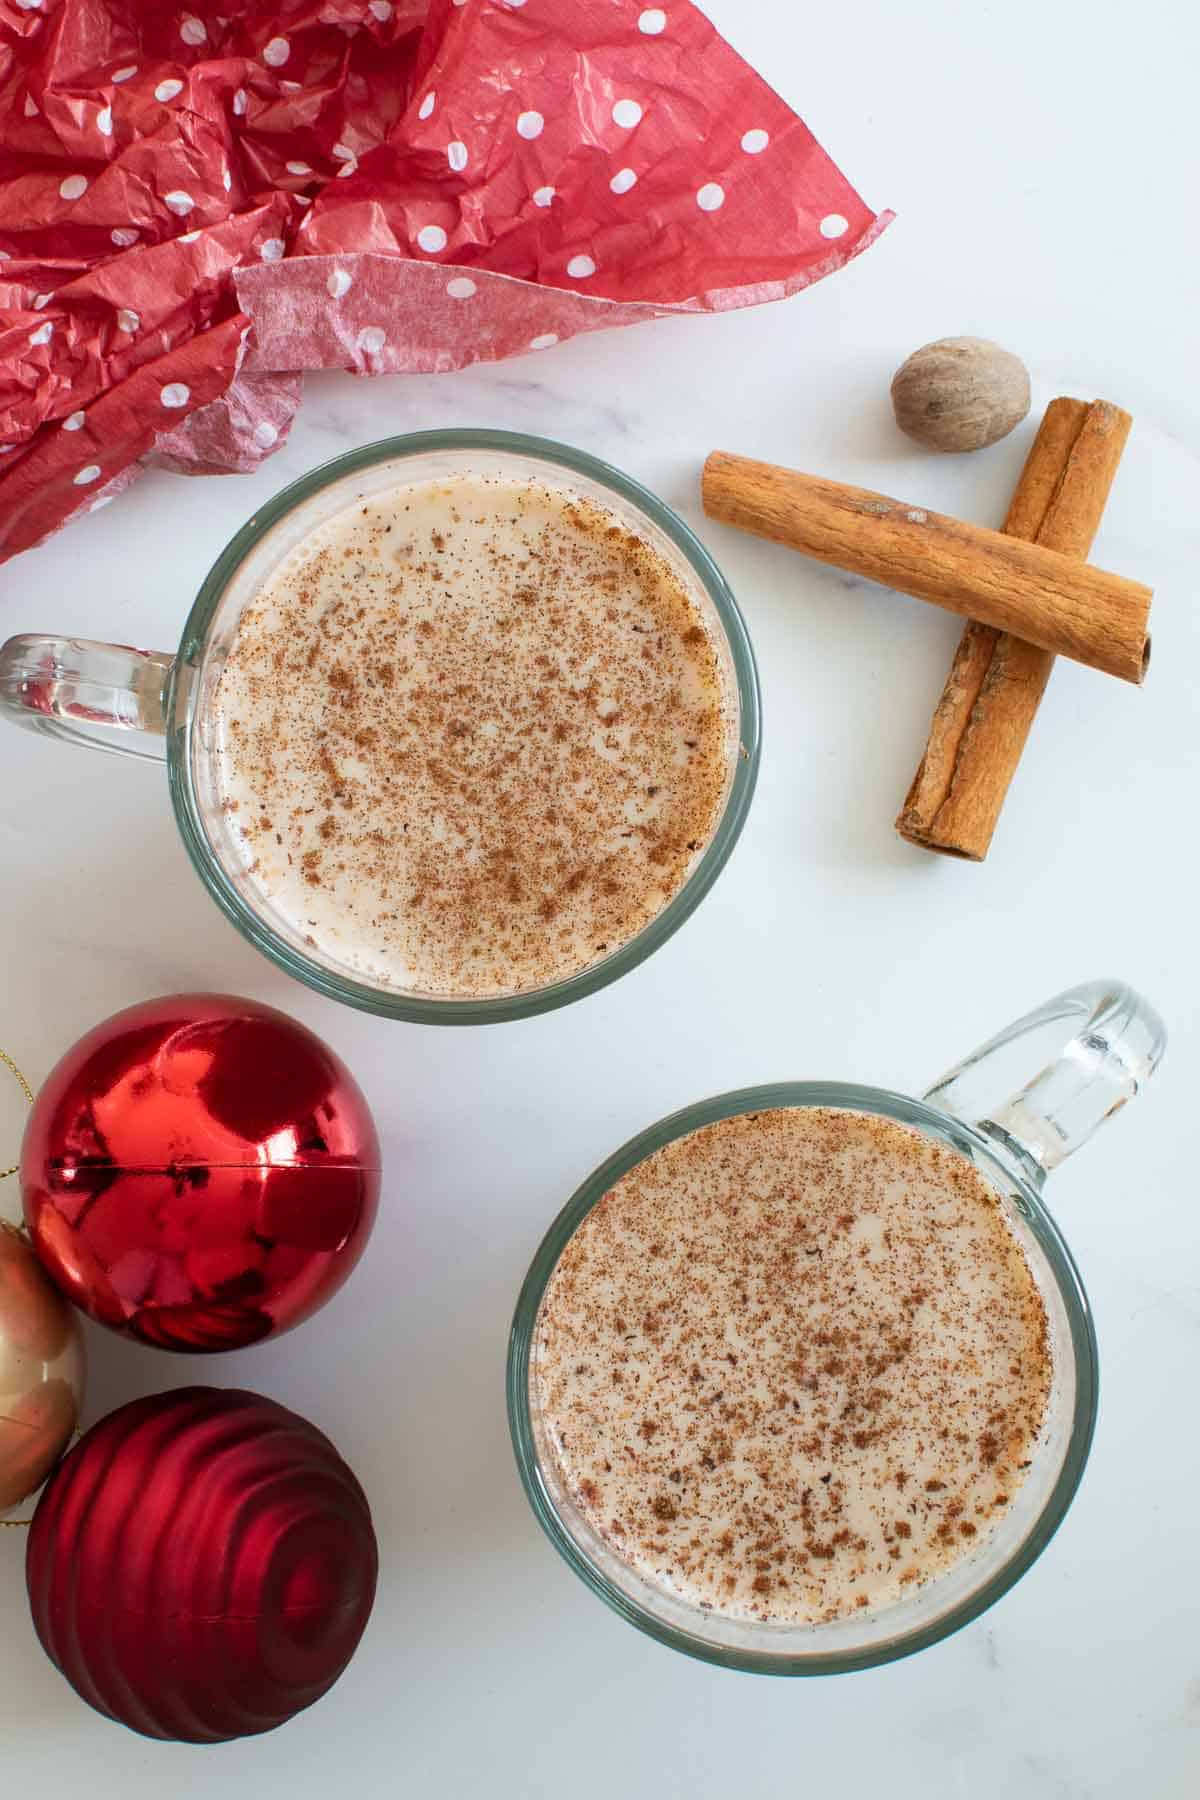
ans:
(960, 393)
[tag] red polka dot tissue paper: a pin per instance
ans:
(198, 203)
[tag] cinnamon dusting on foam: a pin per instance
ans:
(794, 1363)
(473, 735)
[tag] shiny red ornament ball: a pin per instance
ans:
(200, 1172)
(202, 1565)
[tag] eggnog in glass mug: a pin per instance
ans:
(804, 1377)
(462, 725)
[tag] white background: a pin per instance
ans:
(1042, 162)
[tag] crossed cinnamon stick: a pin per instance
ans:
(996, 681)
(1026, 590)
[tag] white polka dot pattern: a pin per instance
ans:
(86, 476)
(579, 209)
(265, 434)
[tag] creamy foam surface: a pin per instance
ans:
(793, 1364)
(472, 736)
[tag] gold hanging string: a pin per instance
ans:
(25, 1088)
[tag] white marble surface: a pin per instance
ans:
(1039, 160)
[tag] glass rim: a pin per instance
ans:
(438, 1009)
(906, 1110)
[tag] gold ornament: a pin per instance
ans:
(41, 1362)
(41, 1371)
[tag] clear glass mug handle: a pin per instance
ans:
(107, 695)
(1114, 1041)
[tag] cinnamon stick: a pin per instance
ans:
(1036, 593)
(996, 681)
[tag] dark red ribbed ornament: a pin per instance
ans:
(200, 1172)
(202, 1565)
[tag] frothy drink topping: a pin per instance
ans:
(793, 1363)
(473, 735)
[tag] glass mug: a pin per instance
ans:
(1115, 1041)
(159, 706)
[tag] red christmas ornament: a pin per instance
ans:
(200, 1172)
(202, 1565)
